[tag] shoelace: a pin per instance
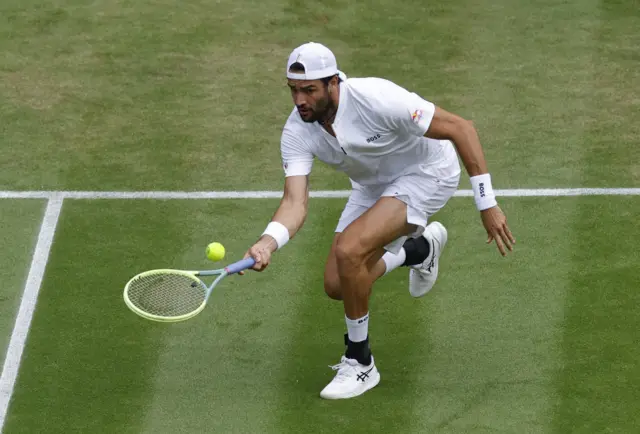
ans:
(344, 368)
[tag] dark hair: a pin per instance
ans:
(326, 80)
(299, 67)
(296, 67)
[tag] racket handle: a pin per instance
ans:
(240, 265)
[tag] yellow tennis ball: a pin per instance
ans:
(215, 252)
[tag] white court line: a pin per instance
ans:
(25, 194)
(28, 303)
(519, 192)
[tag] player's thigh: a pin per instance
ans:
(366, 237)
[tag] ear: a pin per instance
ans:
(333, 82)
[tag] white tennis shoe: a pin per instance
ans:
(423, 276)
(352, 379)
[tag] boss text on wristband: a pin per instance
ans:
(483, 191)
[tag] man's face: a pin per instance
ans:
(311, 97)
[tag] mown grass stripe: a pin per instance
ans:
(597, 384)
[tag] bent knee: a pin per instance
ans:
(349, 252)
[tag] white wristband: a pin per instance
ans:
(279, 232)
(483, 191)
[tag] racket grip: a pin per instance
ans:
(240, 265)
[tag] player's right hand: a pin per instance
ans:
(261, 253)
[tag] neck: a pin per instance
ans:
(332, 109)
(330, 115)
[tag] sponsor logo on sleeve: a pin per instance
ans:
(416, 116)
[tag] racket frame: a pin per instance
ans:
(220, 272)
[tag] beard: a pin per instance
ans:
(323, 109)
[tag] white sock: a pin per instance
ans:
(394, 261)
(358, 329)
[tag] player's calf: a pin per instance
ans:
(355, 281)
(332, 285)
(331, 278)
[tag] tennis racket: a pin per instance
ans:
(167, 295)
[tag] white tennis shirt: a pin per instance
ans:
(379, 128)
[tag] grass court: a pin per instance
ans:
(190, 96)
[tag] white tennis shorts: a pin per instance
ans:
(425, 193)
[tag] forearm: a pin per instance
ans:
(470, 151)
(289, 214)
(467, 142)
(292, 215)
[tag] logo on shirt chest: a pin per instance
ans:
(373, 138)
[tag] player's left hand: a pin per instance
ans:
(495, 223)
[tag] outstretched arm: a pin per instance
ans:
(462, 133)
(286, 222)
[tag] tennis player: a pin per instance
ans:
(399, 151)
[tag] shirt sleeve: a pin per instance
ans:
(404, 110)
(297, 159)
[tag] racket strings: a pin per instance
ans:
(167, 295)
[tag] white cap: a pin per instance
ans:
(318, 62)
